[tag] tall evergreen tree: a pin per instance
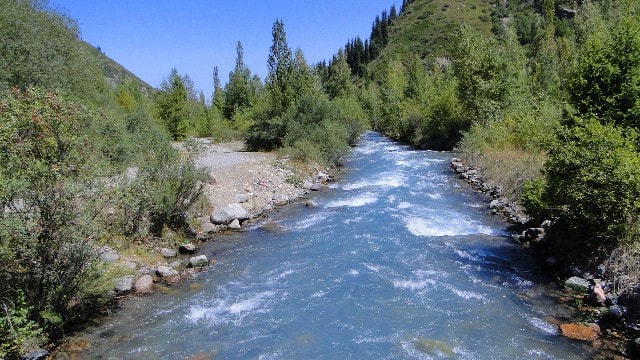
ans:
(280, 66)
(239, 92)
(218, 98)
(173, 105)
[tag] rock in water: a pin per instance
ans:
(144, 285)
(36, 354)
(229, 213)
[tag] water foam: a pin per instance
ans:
(439, 227)
(392, 180)
(541, 325)
(356, 201)
(413, 284)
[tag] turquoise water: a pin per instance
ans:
(397, 261)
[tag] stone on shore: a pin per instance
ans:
(36, 354)
(164, 271)
(144, 285)
(576, 283)
(108, 255)
(168, 253)
(241, 198)
(188, 248)
(235, 225)
(588, 332)
(124, 285)
(198, 261)
(227, 214)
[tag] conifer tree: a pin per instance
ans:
(239, 92)
(280, 66)
(218, 98)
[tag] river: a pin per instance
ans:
(399, 260)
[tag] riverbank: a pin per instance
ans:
(596, 318)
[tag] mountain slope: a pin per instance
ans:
(425, 27)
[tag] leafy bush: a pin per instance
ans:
(49, 218)
(593, 180)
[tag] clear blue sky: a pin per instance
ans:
(150, 37)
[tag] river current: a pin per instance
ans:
(399, 260)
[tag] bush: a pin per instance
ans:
(49, 216)
(593, 181)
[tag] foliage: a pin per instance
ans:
(241, 90)
(593, 180)
(19, 332)
(173, 106)
(41, 48)
(48, 222)
(606, 82)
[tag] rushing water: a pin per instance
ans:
(397, 261)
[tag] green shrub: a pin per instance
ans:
(593, 181)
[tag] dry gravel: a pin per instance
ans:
(233, 171)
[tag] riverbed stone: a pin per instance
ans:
(124, 285)
(164, 271)
(598, 294)
(316, 187)
(144, 284)
(198, 261)
(235, 225)
(577, 283)
(227, 214)
(168, 253)
(587, 332)
(188, 248)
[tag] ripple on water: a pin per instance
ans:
(419, 226)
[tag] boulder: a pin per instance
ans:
(316, 187)
(229, 213)
(199, 261)
(144, 285)
(588, 332)
(235, 225)
(164, 271)
(168, 253)
(188, 248)
(129, 264)
(208, 227)
(576, 283)
(124, 285)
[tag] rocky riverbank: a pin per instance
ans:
(593, 314)
(241, 186)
